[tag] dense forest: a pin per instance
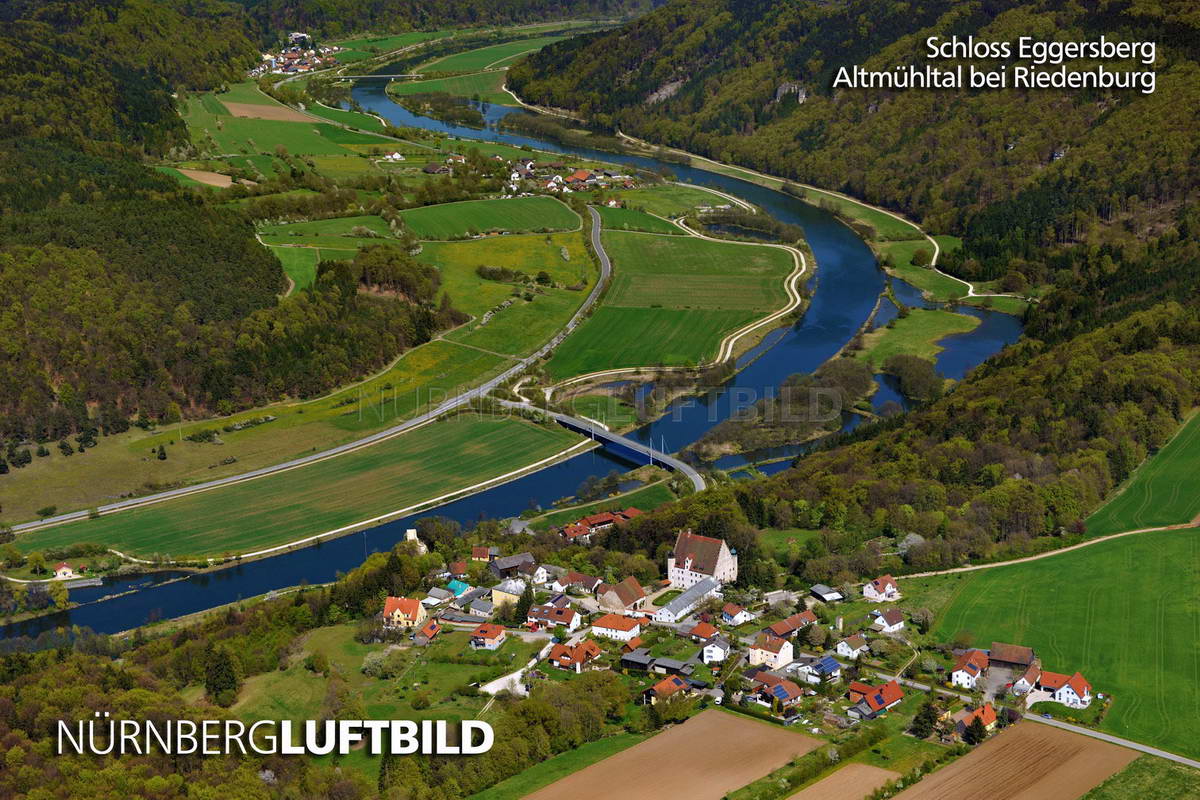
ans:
(340, 17)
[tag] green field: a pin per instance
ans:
(484, 57)
(300, 264)
(1162, 491)
(604, 408)
(628, 219)
(246, 92)
(660, 283)
(354, 119)
(244, 135)
(934, 285)
(184, 179)
(336, 226)
(286, 506)
(530, 254)
(547, 772)
(1149, 777)
(520, 214)
(668, 199)
(486, 86)
(358, 49)
(1123, 612)
(917, 334)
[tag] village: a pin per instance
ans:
(694, 639)
(298, 56)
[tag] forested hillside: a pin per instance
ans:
(1020, 172)
(127, 297)
(339, 17)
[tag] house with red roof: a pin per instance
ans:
(785, 628)
(458, 569)
(964, 717)
(1028, 679)
(702, 632)
(883, 589)
(888, 621)
(63, 571)
(549, 616)
(873, 701)
(667, 687)
(770, 651)
(428, 633)
(576, 580)
(488, 637)
(1071, 690)
(970, 667)
(573, 658)
(484, 553)
(786, 693)
(403, 612)
(617, 627)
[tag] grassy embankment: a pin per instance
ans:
(428, 462)
(629, 219)
(646, 318)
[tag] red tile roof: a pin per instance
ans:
(458, 568)
(772, 644)
(407, 607)
(567, 656)
(628, 591)
(668, 686)
(972, 662)
(704, 630)
(883, 582)
(1011, 653)
(985, 713)
(431, 629)
(632, 644)
(786, 627)
(487, 631)
(732, 609)
(575, 530)
(703, 550)
(553, 615)
(616, 622)
(880, 697)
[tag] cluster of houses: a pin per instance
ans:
(581, 531)
(556, 178)
(1021, 672)
(298, 56)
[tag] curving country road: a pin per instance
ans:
(422, 419)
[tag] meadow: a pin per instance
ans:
(519, 214)
(300, 264)
(354, 119)
(668, 199)
(246, 135)
(1149, 777)
(337, 226)
(672, 301)
(1123, 612)
(917, 334)
(1160, 492)
(359, 49)
(629, 219)
(487, 86)
(403, 471)
(935, 286)
(485, 57)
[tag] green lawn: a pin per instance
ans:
(300, 264)
(1124, 612)
(671, 301)
(478, 85)
(692, 273)
(246, 92)
(646, 498)
(1162, 491)
(547, 772)
(358, 49)
(917, 334)
(244, 135)
(635, 337)
(530, 254)
(628, 219)
(937, 287)
(787, 542)
(524, 326)
(603, 408)
(354, 119)
(1150, 777)
(336, 226)
(485, 57)
(668, 200)
(519, 214)
(286, 506)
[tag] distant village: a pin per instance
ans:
(298, 56)
(789, 655)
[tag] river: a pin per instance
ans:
(845, 289)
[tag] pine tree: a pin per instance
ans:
(975, 732)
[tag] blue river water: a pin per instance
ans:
(845, 289)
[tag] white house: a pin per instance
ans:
(733, 614)
(616, 626)
(698, 557)
(970, 667)
(852, 646)
(771, 652)
(1025, 683)
(715, 650)
(549, 616)
(684, 604)
(882, 590)
(488, 637)
(63, 571)
(890, 621)
(1070, 690)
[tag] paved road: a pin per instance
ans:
(429, 416)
